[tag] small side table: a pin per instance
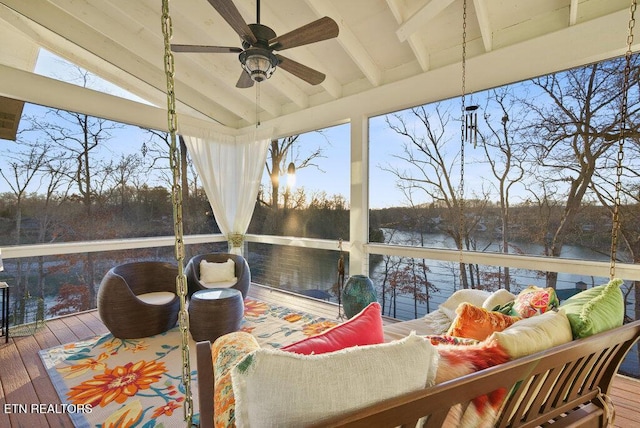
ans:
(5, 311)
(215, 312)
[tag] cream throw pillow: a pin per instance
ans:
(274, 388)
(211, 272)
(469, 295)
(498, 298)
(535, 334)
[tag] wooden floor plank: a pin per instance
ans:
(62, 332)
(46, 339)
(19, 390)
(625, 395)
(4, 417)
(78, 327)
(93, 322)
(28, 349)
(23, 378)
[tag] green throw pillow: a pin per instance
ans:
(595, 310)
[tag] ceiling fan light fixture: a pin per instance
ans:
(258, 63)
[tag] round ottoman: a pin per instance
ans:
(215, 312)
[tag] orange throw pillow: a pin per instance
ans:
(478, 323)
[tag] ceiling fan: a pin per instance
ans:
(259, 43)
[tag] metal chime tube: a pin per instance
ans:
(471, 125)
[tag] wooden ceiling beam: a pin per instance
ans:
(415, 43)
(10, 114)
(88, 38)
(32, 88)
(349, 42)
(482, 15)
(423, 16)
(573, 12)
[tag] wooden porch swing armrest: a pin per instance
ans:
(205, 383)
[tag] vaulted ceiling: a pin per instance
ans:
(389, 54)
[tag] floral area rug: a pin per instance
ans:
(109, 382)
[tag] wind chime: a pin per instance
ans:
(467, 133)
(469, 112)
(471, 124)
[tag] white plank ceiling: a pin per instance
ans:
(390, 54)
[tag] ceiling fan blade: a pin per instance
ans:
(204, 49)
(245, 81)
(230, 13)
(321, 29)
(305, 73)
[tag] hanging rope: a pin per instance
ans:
(461, 225)
(623, 124)
(176, 198)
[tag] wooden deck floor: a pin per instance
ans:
(23, 379)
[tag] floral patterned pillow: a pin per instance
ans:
(456, 361)
(443, 339)
(226, 352)
(534, 301)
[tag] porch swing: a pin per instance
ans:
(395, 409)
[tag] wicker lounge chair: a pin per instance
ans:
(139, 299)
(242, 273)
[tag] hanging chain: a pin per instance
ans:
(176, 199)
(461, 226)
(340, 278)
(257, 105)
(623, 123)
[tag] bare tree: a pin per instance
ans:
(505, 157)
(281, 154)
(24, 166)
(628, 202)
(53, 175)
(78, 136)
(120, 175)
(577, 121)
(429, 170)
(156, 149)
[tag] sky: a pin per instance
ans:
(332, 171)
(331, 174)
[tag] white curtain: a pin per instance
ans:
(230, 169)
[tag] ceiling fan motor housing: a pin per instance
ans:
(257, 59)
